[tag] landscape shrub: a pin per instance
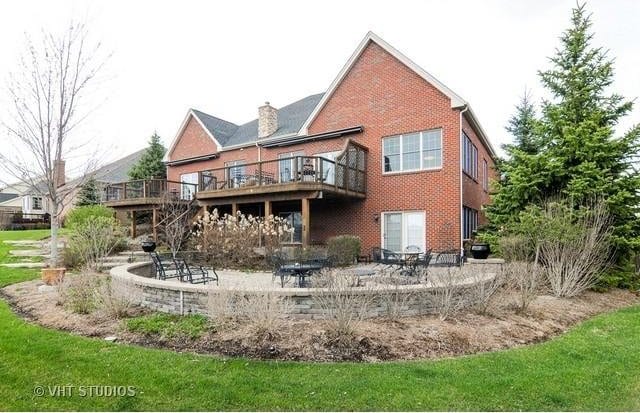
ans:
(78, 293)
(116, 300)
(575, 247)
(344, 309)
(95, 238)
(230, 241)
(446, 294)
(525, 278)
(79, 215)
(262, 311)
(344, 249)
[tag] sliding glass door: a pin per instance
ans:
(403, 229)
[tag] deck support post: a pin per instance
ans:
(133, 224)
(305, 221)
(267, 208)
(154, 223)
(234, 209)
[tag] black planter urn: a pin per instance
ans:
(148, 246)
(480, 251)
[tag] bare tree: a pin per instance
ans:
(46, 91)
(176, 221)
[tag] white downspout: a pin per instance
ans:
(259, 155)
(466, 107)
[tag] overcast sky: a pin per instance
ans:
(227, 58)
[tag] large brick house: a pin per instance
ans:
(387, 153)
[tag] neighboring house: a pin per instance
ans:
(113, 172)
(21, 197)
(387, 153)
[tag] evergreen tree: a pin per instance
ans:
(150, 164)
(585, 159)
(523, 170)
(88, 194)
(572, 150)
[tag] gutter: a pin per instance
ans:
(193, 159)
(464, 109)
(318, 136)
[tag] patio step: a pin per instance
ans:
(29, 253)
(23, 265)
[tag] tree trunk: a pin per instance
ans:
(54, 261)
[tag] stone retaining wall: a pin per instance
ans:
(180, 298)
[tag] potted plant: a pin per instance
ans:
(53, 275)
(148, 245)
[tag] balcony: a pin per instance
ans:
(288, 178)
(145, 192)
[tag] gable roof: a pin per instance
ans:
(6, 197)
(227, 134)
(290, 120)
(456, 100)
(117, 171)
(295, 118)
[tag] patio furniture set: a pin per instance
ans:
(168, 267)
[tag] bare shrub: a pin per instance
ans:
(343, 306)
(446, 292)
(575, 247)
(116, 299)
(78, 293)
(525, 278)
(176, 221)
(222, 306)
(483, 288)
(230, 241)
(263, 311)
(394, 299)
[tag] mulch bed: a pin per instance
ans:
(421, 337)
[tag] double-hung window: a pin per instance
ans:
(470, 157)
(36, 203)
(469, 222)
(412, 151)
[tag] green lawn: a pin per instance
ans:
(15, 275)
(596, 366)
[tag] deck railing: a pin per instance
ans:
(347, 172)
(148, 188)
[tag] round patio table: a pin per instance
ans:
(300, 271)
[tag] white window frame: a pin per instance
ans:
(33, 203)
(234, 179)
(423, 246)
(421, 168)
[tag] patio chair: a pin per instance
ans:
(197, 274)
(165, 269)
(419, 266)
(450, 258)
(386, 257)
(277, 260)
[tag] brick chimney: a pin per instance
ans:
(59, 173)
(267, 120)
